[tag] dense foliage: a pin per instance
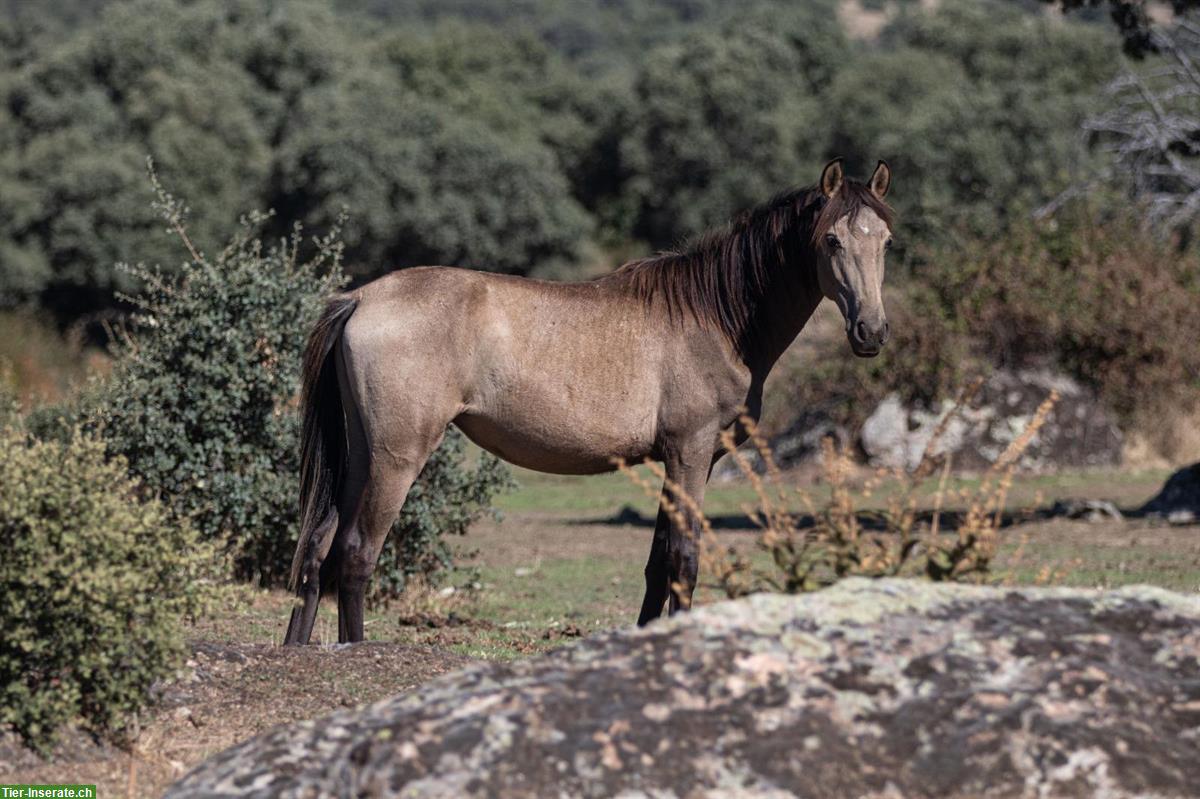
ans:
(94, 584)
(516, 137)
(1089, 292)
(198, 402)
(201, 403)
(1092, 292)
(978, 107)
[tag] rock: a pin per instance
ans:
(1181, 517)
(887, 439)
(1079, 432)
(1089, 510)
(799, 443)
(888, 688)
(1179, 500)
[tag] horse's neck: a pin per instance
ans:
(791, 301)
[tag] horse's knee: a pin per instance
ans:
(685, 560)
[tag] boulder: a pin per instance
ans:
(1179, 500)
(1079, 432)
(1088, 510)
(889, 688)
(800, 443)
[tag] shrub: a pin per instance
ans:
(1096, 294)
(844, 535)
(94, 583)
(200, 401)
(202, 405)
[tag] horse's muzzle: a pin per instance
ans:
(867, 339)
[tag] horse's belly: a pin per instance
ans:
(558, 444)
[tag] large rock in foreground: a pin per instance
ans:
(868, 689)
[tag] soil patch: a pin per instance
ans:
(228, 693)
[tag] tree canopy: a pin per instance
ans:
(522, 137)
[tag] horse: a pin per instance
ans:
(653, 360)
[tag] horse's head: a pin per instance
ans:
(851, 235)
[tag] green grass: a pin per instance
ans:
(604, 495)
(555, 564)
(1105, 566)
(556, 590)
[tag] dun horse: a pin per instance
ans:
(654, 360)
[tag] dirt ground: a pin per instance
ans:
(233, 692)
(565, 561)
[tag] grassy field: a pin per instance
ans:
(564, 561)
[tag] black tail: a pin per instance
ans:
(323, 440)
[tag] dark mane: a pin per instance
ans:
(722, 278)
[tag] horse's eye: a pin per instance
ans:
(832, 241)
(887, 245)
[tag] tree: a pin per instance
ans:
(1151, 125)
(979, 104)
(723, 121)
(1131, 20)
(522, 89)
(423, 184)
(145, 78)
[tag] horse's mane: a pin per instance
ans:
(723, 276)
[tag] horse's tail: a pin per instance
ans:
(323, 439)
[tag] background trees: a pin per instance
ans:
(521, 137)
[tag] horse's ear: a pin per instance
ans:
(881, 180)
(831, 177)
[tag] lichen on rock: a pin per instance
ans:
(888, 688)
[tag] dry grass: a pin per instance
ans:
(44, 365)
(846, 534)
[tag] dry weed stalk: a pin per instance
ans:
(841, 536)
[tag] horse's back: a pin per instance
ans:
(559, 377)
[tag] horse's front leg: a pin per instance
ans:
(674, 562)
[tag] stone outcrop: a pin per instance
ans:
(1179, 500)
(1080, 432)
(889, 688)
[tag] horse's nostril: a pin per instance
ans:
(887, 332)
(860, 332)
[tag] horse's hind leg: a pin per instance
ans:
(321, 568)
(391, 475)
(304, 616)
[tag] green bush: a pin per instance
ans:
(201, 400)
(202, 404)
(94, 583)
